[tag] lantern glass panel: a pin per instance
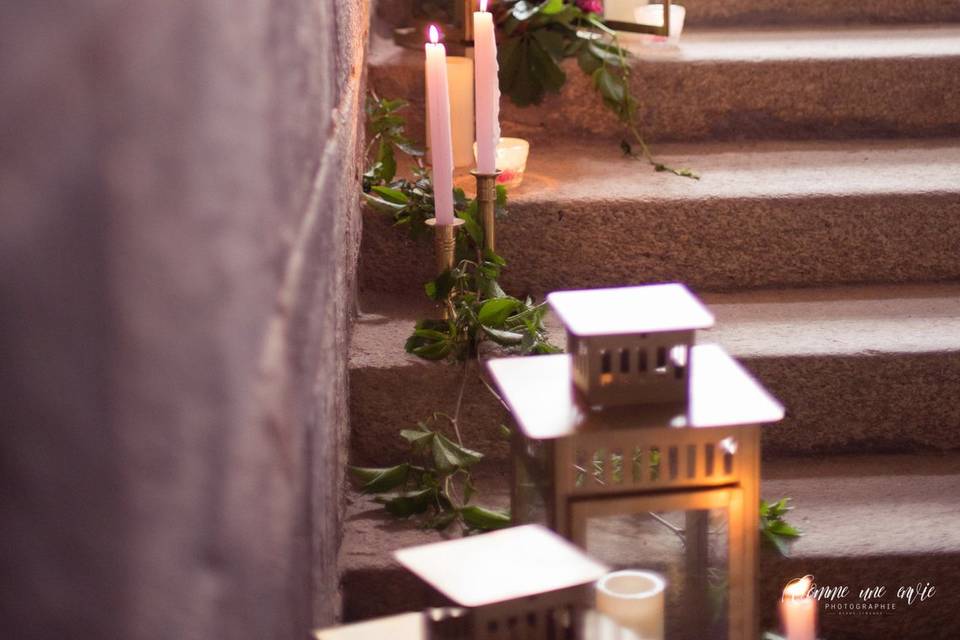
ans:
(689, 548)
(694, 538)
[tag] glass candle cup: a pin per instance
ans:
(652, 14)
(511, 160)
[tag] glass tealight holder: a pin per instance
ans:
(511, 160)
(652, 14)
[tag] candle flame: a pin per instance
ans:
(797, 588)
(483, 5)
(434, 34)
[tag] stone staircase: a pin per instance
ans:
(825, 236)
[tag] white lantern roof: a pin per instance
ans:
(630, 310)
(545, 404)
(503, 565)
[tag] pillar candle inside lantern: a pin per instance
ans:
(635, 600)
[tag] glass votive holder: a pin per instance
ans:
(511, 160)
(635, 600)
(652, 14)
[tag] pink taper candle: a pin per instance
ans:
(487, 89)
(441, 142)
(798, 611)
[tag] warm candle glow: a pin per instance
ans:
(798, 610)
(483, 5)
(434, 34)
(797, 588)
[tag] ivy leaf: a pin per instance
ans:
(506, 338)
(388, 162)
(409, 148)
(550, 41)
(482, 519)
(605, 53)
(588, 62)
(380, 480)
(491, 289)
(519, 76)
(494, 312)
(392, 195)
(610, 87)
(781, 545)
(449, 456)
(383, 205)
(500, 206)
(552, 7)
(544, 66)
(470, 224)
(777, 532)
(408, 504)
(430, 340)
(439, 288)
(416, 437)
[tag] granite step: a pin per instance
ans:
(742, 13)
(859, 369)
(771, 214)
(733, 84)
(868, 521)
(733, 13)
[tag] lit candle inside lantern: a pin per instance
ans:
(441, 143)
(798, 611)
(487, 89)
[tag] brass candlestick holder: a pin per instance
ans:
(445, 246)
(487, 205)
(444, 242)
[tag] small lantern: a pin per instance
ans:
(689, 441)
(521, 582)
(631, 345)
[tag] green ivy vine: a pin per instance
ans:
(538, 36)
(436, 485)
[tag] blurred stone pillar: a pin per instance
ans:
(177, 254)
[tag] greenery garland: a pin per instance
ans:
(538, 36)
(436, 486)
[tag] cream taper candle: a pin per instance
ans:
(488, 89)
(441, 144)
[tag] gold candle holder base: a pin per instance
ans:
(444, 245)
(486, 205)
(444, 242)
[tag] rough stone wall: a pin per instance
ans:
(178, 242)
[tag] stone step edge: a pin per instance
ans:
(374, 585)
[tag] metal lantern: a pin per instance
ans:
(631, 345)
(689, 441)
(521, 582)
